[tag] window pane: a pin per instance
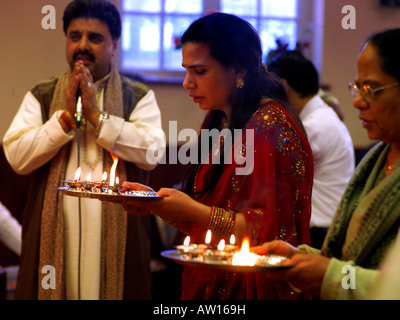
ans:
(142, 5)
(145, 48)
(183, 6)
(281, 8)
(240, 7)
(173, 29)
(271, 30)
(141, 42)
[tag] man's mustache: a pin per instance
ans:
(83, 53)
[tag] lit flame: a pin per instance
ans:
(117, 181)
(186, 242)
(221, 245)
(89, 177)
(244, 257)
(78, 174)
(232, 240)
(104, 178)
(208, 237)
(113, 168)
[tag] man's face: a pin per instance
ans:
(90, 40)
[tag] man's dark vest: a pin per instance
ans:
(137, 282)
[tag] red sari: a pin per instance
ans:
(275, 199)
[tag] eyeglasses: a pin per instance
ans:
(367, 91)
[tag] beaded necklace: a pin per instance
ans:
(84, 139)
(225, 125)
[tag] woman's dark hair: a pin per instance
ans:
(103, 10)
(387, 44)
(233, 42)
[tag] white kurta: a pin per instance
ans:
(10, 230)
(28, 144)
(334, 161)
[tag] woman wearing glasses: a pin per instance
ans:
(368, 217)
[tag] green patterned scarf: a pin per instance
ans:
(368, 216)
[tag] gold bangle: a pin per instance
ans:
(230, 218)
(212, 218)
(221, 221)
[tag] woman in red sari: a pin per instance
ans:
(263, 188)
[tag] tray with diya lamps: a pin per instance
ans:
(225, 257)
(103, 190)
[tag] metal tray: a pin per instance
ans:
(104, 196)
(263, 264)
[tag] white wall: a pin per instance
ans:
(28, 54)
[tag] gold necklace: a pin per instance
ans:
(225, 125)
(84, 138)
(99, 154)
(388, 169)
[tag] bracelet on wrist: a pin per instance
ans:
(221, 221)
(102, 118)
(66, 117)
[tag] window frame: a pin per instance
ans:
(304, 14)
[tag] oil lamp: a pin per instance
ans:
(75, 184)
(186, 248)
(219, 254)
(231, 247)
(114, 181)
(103, 185)
(89, 184)
(115, 188)
(244, 257)
(206, 245)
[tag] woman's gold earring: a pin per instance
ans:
(239, 83)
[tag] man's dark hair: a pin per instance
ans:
(299, 72)
(102, 10)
